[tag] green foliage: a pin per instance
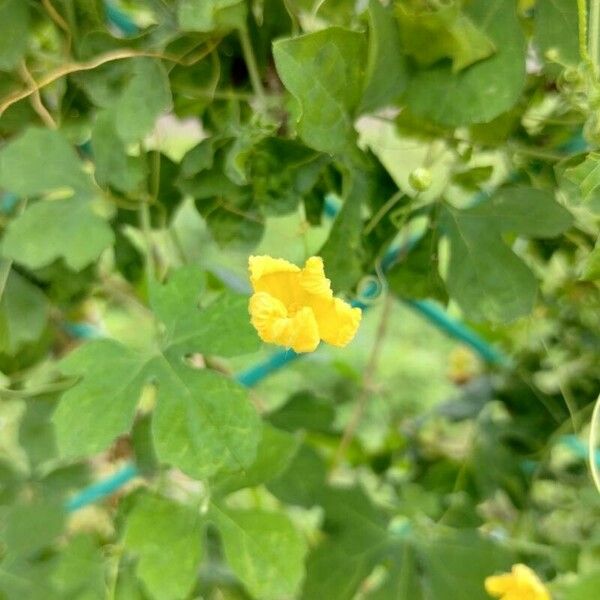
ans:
(474, 95)
(167, 537)
(14, 19)
(325, 73)
(477, 249)
(203, 422)
(54, 229)
(148, 148)
(444, 32)
(263, 549)
(23, 314)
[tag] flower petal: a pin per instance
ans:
(338, 321)
(521, 583)
(270, 319)
(498, 585)
(265, 312)
(313, 280)
(266, 265)
(303, 331)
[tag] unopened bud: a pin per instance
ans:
(552, 55)
(420, 179)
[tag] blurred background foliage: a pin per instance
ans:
(148, 147)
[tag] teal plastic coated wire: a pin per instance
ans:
(119, 19)
(102, 489)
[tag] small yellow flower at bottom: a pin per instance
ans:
(520, 584)
(295, 307)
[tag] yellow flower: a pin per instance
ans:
(520, 584)
(295, 307)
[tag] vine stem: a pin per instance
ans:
(144, 213)
(389, 204)
(593, 442)
(6, 263)
(594, 32)
(366, 388)
(251, 64)
(582, 28)
(5, 267)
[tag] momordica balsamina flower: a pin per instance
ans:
(520, 584)
(295, 307)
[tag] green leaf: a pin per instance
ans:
(222, 328)
(41, 161)
(211, 15)
(416, 276)
(178, 296)
(486, 89)
(204, 421)
(102, 405)
(584, 588)
(591, 266)
(358, 541)
(167, 539)
(230, 213)
(146, 95)
(79, 572)
(324, 71)
(337, 568)
(282, 172)
(263, 549)
(23, 313)
(525, 211)
(485, 277)
(36, 434)
(403, 578)
(556, 28)
(446, 31)
(460, 561)
(53, 229)
(586, 175)
(29, 527)
(386, 75)
(303, 481)
(342, 251)
(113, 166)
(476, 244)
(304, 410)
(274, 454)
(14, 32)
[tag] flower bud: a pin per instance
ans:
(420, 179)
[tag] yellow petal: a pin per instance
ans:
(497, 585)
(273, 324)
(521, 583)
(338, 321)
(265, 265)
(303, 331)
(265, 312)
(313, 280)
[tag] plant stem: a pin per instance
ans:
(6, 263)
(144, 214)
(251, 64)
(393, 200)
(535, 152)
(593, 442)
(594, 33)
(582, 27)
(366, 388)
(5, 267)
